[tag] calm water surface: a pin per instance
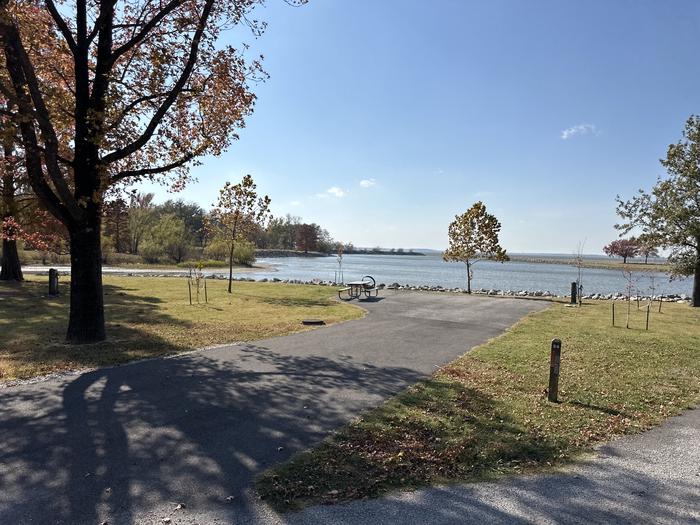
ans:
(432, 270)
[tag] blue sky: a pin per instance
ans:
(544, 110)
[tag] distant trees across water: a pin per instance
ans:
(137, 230)
(630, 248)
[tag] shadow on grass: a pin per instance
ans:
(604, 410)
(33, 329)
(193, 429)
(435, 432)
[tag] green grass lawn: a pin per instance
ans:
(148, 317)
(486, 415)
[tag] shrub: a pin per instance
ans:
(244, 253)
(217, 249)
(151, 251)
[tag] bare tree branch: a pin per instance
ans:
(154, 171)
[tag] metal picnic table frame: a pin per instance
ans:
(356, 289)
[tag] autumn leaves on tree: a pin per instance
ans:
(236, 215)
(112, 93)
(473, 236)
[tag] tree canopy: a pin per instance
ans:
(236, 215)
(669, 214)
(120, 91)
(624, 248)
(474, 236)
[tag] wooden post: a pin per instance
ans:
(206, 299)
(613, 311)
(189, 290)
(554, 362)
(53, 282)
(629, 307)
(648, 308)
(574, 290)
(661, 299)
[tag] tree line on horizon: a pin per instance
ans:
(136, 229)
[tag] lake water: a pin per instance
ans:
(432, 270)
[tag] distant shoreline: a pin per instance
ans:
(371, 252)
(271, 253)
(603, 264)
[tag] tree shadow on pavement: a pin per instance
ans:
(192, 429)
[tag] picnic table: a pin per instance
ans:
(356, 289)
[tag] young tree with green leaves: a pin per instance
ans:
(236, 215)
(669, 215)
(473, 236)
(168, 236)
(190, 213)
(141, 215)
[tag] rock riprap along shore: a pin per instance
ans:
(544, 294)
(492, 292)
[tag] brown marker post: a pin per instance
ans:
(554, 362)
(648, 308)
(613, 311)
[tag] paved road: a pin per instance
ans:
(128, 444)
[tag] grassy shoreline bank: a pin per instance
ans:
(486, 415)
(612, 264)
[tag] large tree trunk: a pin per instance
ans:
(11, 267)
(87, 319)
(696, 278)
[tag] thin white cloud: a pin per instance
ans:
(295, 203)
(579, 129)
(334, 191)
(368, 183)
